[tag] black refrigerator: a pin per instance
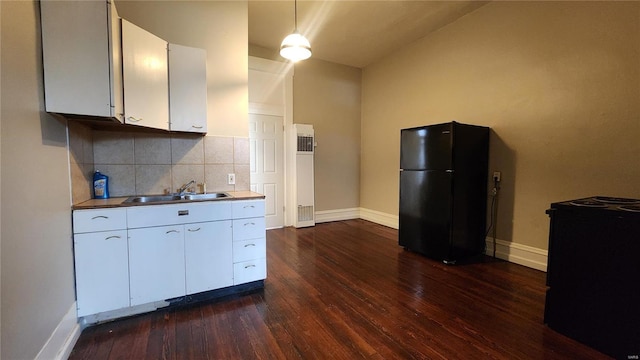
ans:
(443, 190)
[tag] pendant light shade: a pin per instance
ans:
(295, 47)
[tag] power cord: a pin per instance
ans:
(494, 215)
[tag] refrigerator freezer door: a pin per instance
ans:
(425, 212)
(427, 148)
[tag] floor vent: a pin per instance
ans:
(305, 213)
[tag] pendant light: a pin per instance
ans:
(295, 46)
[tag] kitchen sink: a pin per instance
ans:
(210, 196)
(173, 198)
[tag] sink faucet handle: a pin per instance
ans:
(185, 187)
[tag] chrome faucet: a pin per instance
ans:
(185, 187)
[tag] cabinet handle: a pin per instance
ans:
(172, 231)
(196, 127)
(249, 266)
(113, 237)
(246, 224)
(194, 230)
(131, 118)
(248, 206)
(99, 217)
(250, 245)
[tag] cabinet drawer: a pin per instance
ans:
(247, 209)
(248, 271)
(99, 220)
(160, 215)
(251, 228)
(249, 250)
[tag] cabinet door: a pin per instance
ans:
(187, 88)
(156, 263)
(145, 78)
(102, 271)
(208, 256)
(81, 58)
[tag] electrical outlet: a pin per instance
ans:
(496, 176)
(231, 179)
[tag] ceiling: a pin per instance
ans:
(354, 33)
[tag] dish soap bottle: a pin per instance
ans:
(100, 185)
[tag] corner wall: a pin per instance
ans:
(558, 83)
(37, 261)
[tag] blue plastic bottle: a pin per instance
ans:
(100, 185)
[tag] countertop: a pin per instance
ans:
(119, 201)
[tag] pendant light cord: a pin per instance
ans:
(295, 14)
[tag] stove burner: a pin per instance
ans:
(588, 203)
(632, 208)
(615, 200)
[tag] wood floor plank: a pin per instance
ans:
(346, 290)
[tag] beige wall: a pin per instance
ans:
(558, 83)
(327, 95)
(220, 27)
(37, 263)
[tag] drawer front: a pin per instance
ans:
(185, 213)
(249, 250)
(248, 271)
(99, 220)
(251, 228)
(248, 208)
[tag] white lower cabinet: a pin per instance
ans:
(156, 263)
(138, 255)
(102, 273)
(208, 259)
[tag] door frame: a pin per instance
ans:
(285, 71)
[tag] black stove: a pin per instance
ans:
(593, 272)
(600, 202)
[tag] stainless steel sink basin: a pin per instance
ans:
(210, 196)
(173, 198)
(153, 198)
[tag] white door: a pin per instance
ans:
(266, 136)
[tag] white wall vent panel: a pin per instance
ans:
(304, 197)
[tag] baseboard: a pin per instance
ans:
(378, 217)
(63, 338)
(337, 215)
(528, 256)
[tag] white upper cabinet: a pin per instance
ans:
(146, 78)
(188, 88)
(81, 57)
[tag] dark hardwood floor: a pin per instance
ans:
(346, 290)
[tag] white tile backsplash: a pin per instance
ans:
(153, 163)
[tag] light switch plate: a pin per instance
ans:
(231, 179)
